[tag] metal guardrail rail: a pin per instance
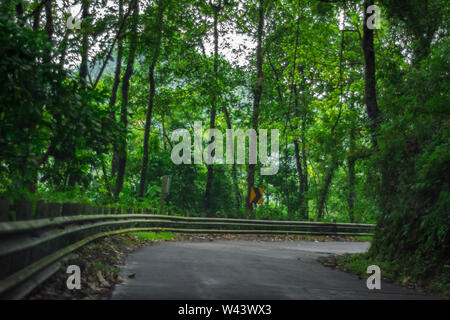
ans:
(34, 237)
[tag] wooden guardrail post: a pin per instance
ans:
(4, 210)
(165, 188)
(23, 210)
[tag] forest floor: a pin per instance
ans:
(101, 261)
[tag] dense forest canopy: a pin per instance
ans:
(92, 90)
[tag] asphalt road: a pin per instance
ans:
(246, 270)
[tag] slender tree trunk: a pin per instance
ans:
(113, 97)
(374, 114)
(63, 49)
(74, 174)
(298, 163)
(122, 153)
(351, 178)
(212, 119)
(48, 29)
(19, 12)
(36, 18)
(164, 135)
(148, 119)
(301, 166)
(370, 93)
(237, 193)
(257, 96)
(85, 44)
(304, 182)
(33, 182)
(118, 70)
(334, 157)
(326, 186)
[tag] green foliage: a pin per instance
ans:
(395, 270)
(60, 135)
(36, 131)
(153, 236)
(414, 154)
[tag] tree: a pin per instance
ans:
(216, 8)
(122, 154)
(153, 60)
(257, 93)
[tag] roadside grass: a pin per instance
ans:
(392, 272)
(153, 236)
(365, 238)
(106, 267)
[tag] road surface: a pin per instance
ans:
(246, 270)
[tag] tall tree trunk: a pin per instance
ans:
(63, 49)
(325, 188)
(351, 177)
(48, 29)
(122, 151)
(148, 119)
(237, 193)
(74, 176)
(19, 13)
(257, 96)
(84, 44)
(165, 138)
(33, 182)
(301, 166)
(115, 88)
(304, 187)
(370, 93)
(36, 17)
(298, 163)
(212, 118)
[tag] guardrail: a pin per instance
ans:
(34, 237)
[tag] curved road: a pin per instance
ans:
(246, 270)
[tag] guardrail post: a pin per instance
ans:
(54, 209)
(69, 209)
(23, 210)
(41, 210)
(4, 210)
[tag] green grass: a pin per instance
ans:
(153, 236)
(358, 264)
(365, 238)
(106, 267)
(390, 270)
(127, 241)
